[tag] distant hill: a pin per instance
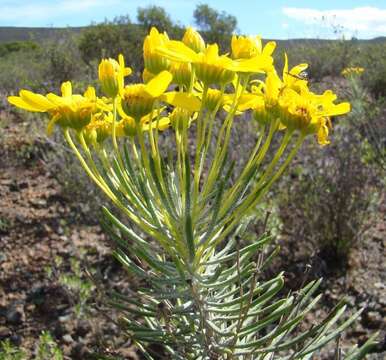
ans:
(10, 33)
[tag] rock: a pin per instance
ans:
(83, 328)
(4, 332)
(15, 339)
(15, 316)
(64, 318)
(68, 339)
(373, 319)
(14, 186)
(23, 185)
(79, 351)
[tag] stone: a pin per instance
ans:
(68, 339)
(4, 332)
(15, 316)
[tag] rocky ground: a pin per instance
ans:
(43, 251)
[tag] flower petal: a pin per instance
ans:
(158, 85)
(183, 100)
(177, 51)
(66, 88)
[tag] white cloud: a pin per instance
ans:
(365, 21)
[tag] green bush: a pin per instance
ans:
(16, 46)
(110, 39)
(326, 206)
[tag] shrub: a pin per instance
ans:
(325, 205)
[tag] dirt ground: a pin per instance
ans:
(38, 233)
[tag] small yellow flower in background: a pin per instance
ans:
(111, 75)
(193, 40)
(154, 62)
(349, 71)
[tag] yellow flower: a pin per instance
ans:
(179, 116)
(68, 110)
(193, 40)
(138, 99)
(182, 73)
(210, 67)
(154, 62)
(349, 71)
(311, 113)
(247, 47)
(99, 128)
(128, 127)
(111, 75)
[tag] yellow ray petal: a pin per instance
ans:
(340, 109)
(39, 102)
(158, 85)
(177, 51)
(183, 100)
(269, 48)
(66, 88)
(20, 103)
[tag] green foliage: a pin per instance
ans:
(371, 57)
(24, 68)
(154, 16)
(325, 57)
(4, 225)
(47, 349)
(327, 203)
(109, 39)
(226, 312)
(64, 61)
(17, 46)
(368, 117)
(10, 352)
(73, 279)
(217, 27)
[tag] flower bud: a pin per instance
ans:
(245, 47)
(193, 40)
(108, 72)
(154, 62)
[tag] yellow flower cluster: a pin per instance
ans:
(190, 77)
(349, 71)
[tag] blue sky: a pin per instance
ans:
(269, 18)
